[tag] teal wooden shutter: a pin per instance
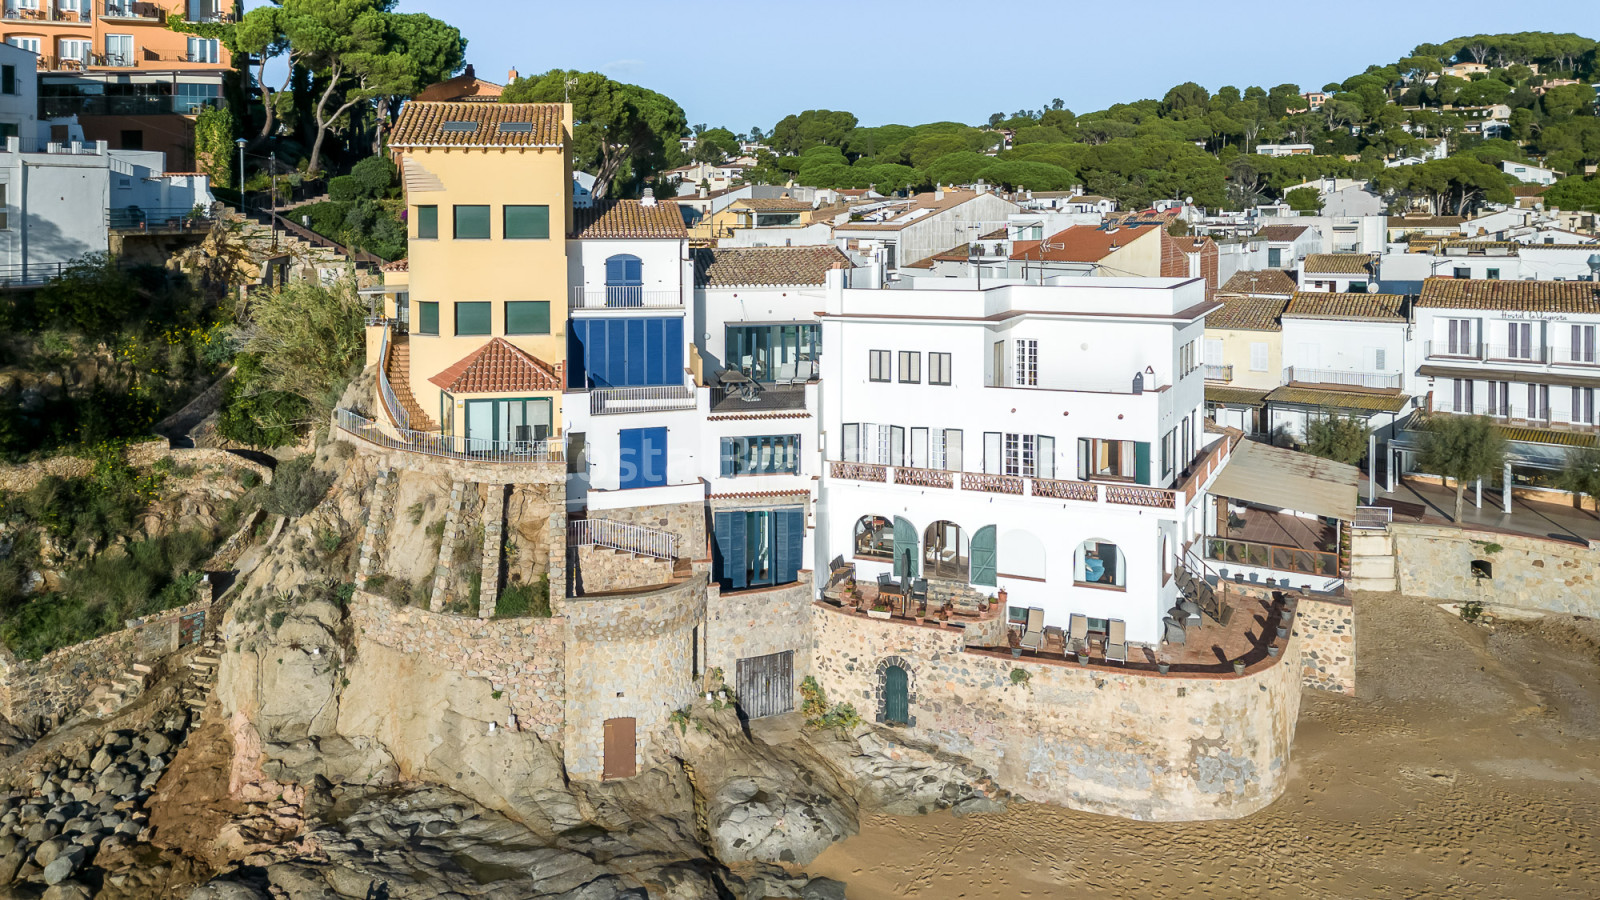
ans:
(983, 556)
(896, 696)
(730, 534)
(905, 548)
(1141, 461)
(790, 544)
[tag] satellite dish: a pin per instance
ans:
(1188, 201)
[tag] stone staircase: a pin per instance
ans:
(958, 596)
(378, 515)
(447, 543)
(1373, 563)
(398, 370)
(196, 690)
(107, 699)
(494, 522)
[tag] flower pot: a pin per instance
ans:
(878, 613)
(1238, 668)
(1083, 659)
(1162, 667)
(1283, 631)
(1016, 652)
(1272, 650)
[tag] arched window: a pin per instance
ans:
(874, 537)
(1100, 563)
(624, 281)
(945, 553)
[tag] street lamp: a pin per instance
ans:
(240, 143)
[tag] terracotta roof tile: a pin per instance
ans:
(1281, 233)
(425, 124)
(1247, 313)
(755, 266)
(499, 367)
(773, 203)
(399, 265)
(1328, 305)
(1082, 243)
(1425, 221)
(629, 219)
(1356, 401)
(1267, 281)
(1532, 296)
(466, 87)
(1216, 393)
(1338, 264)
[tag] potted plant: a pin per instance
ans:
(879, 611)
(1283, 631)
(983, 605)
(1162, 666)
(1272, 650)
(1238, 666)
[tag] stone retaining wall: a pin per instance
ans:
(1528, 573)
(1143, 746)
(23, 476)
(601, 569)
(59, 684)
(1326, 628)
(686, 520)
(629, 657)
(746, 624)
(522, 658)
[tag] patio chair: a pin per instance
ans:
(919, 589)
(1033, 636)
(1117, 642)
(1077, 633)
(1176, 634)
(884, 579)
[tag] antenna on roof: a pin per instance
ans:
(566, 89)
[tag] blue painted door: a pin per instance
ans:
(643, 458)
(624, 281)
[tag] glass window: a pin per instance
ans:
(473, 318)
(427, 222)
(472, 223)
(427, 318)
(1100, 563)
(524, 223)
(8, 79)
(773, 353)
(880, 364)
(765, 455)
(938, 368)
(528, 317)
(910, 367)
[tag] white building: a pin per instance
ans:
(1528, 173)
(1286, 149)
(906, 231)
(1343, 354)
(19, 94)
(1042, 440)
(1339, 273)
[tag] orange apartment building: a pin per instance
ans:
(130, 80)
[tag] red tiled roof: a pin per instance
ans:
(399, 265)
(1281, 233)
(466, 87)
(1266, 281)
(1082, 243)
(629, 219)
(499, 367)
(424, 124)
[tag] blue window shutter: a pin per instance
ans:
(905, 548)
(635, 350)
(655, 351)
(790, 543)
(983, 556)
(1141, 461)
(630, 458)
(653, 456)
(577, 366)
(729, 447)
(730, 532)
(615, 266)
(674, 352)
(615, 364)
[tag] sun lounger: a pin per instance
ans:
(1077, 633)
(1033, 636)
(1117, 642)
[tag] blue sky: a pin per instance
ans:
(914, 61)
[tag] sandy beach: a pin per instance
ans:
(1468, 766)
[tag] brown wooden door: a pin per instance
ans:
(621, 753)
(765, 684)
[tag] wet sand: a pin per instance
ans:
(1468, 766)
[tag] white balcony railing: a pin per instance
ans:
(1511, 411)
(1343, 378)
(1516, 353)
(635, 539)
(1216, 372)
(1520, 354)
(624, 297)
(619, 401)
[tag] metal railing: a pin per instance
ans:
(131, 9)
(1521, 353)
(624, 297)
(1574, 356)
(1373, 518)
(1517, 411)
(1014, 485)
(635, 539)
(50, 13)
(1375, 380)
(31, 274)
(619, 401)
(453, 446)
(1216, 372)
(1446, 350)
(177, 218)
(1273, 556)
(391, 403)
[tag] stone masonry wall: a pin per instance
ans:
(1143, 746)
(522, 658)
(23, 476)
(746, 624)
(1528, 573)
(602, 569)
(58, 684)
(629, 657)
(686, 520)
(1326, 628)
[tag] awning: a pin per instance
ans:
(1353, 401)
(1261, 473)
(1552, 378)
(1232, 396)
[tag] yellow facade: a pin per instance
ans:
(451, 270)
(1236, 352)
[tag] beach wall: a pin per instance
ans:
(1525, 572)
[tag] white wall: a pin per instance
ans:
(1343, 346)
(56, 208)
(21, 109)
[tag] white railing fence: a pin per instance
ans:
(615, 401)
(624, 297)
(635, 539)
(453, 446)
(1375, 380)
(1373, 518)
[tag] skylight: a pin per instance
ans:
(459, 127)
(516, 127)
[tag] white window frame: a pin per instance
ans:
(938, 368)
(1027, 355)
(1260, 356)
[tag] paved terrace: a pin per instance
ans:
(1432, 504)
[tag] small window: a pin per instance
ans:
(427, 318)
(472, 318)
(525, 223)
(528, 317)
(879, 366)
(910, 367)
(939, 368)
(1100, 563)
(8, 79)
(459, 128)
(472, 223)
(516, 127)
(1461, 272)
(1492, 274)
(427, 222)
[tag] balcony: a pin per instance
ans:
(1456, 350)
(1013, 485)
(1516, 353)
(620, 401)
(1522, 355)
(63, 15)
(624, 297)
(1218, 373)
(1514, 412)
(133, 11)
(552, 450)
(1375, 381)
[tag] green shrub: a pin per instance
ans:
(297, 487)
(818, 714)
(343, 188)
(374, 176)
(523, 599)
(278, 619)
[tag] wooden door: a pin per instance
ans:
(621, 749)
(765, 684)
(896, 696)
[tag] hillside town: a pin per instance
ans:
(420, 485)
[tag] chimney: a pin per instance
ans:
(511, 76)
(469, 74)
(649, 198)
(702, 190)
(938, 191)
